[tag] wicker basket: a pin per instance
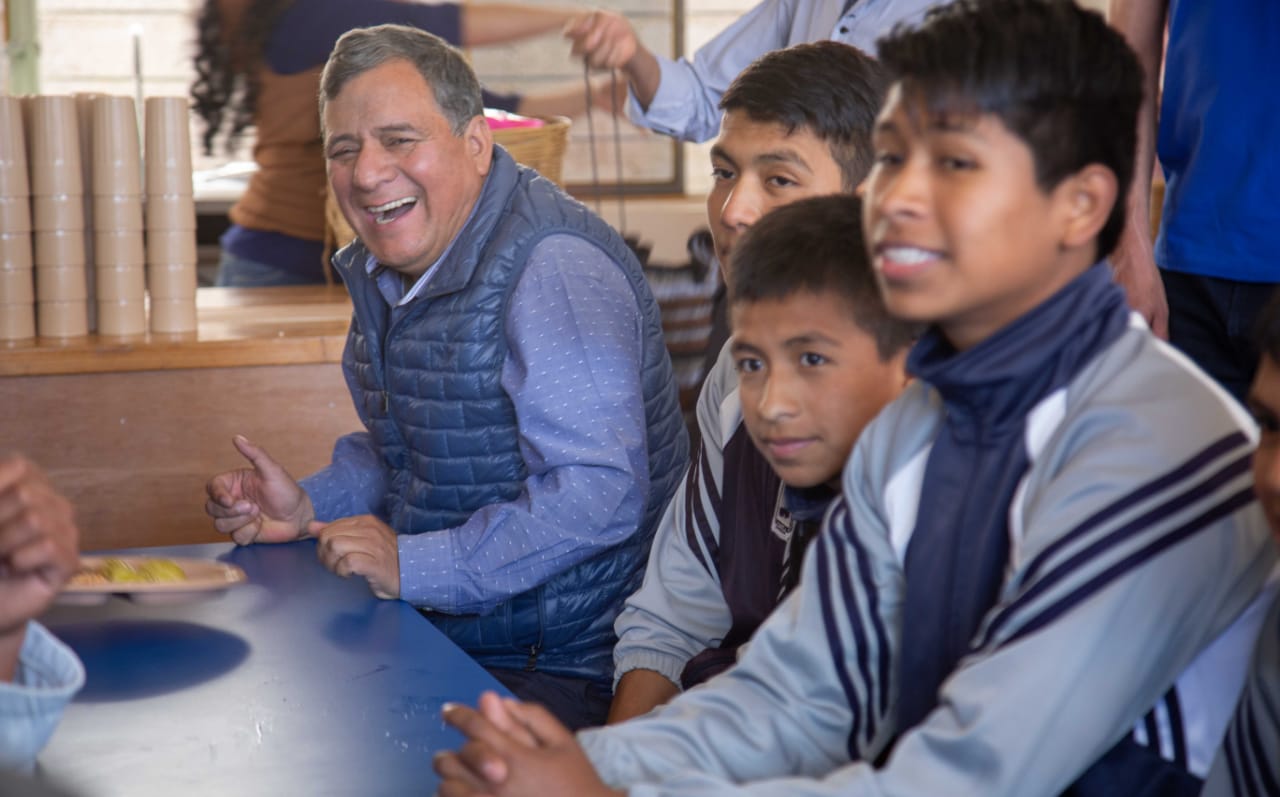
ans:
(541, 148)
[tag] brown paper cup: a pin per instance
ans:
(168, 145)
(115, 212)
(15, 250)
(118, 248)
(121, 283)
(117, 164)
(172, 281)
(56, 248)
(62, 319)
(13, 149)
(54, 159)
(17, 285)
(171, 212)
(122, 319)
(15, 214)
(17, 321)
(65, 284)
(171, 247)
(173, 316)
(58, 212)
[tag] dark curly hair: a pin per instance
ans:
(226, 62)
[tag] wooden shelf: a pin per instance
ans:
(236, 327)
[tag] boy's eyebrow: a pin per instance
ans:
(718, 151)
(783, 155)
(809, 338)
(741, 346)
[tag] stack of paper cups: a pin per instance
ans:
(84, 114)
(17, 286)
(171, 216)
(57, 200)
(117, 214)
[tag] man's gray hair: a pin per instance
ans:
(444, 68)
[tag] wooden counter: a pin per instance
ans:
(132, 430)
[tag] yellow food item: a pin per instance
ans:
(120, 571)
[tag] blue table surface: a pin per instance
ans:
(296, 683)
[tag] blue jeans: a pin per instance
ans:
(239, 272)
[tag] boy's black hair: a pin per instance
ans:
(831, 89)
(1267, 333)
(1056, 75)
(816, 245)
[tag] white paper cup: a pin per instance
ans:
(117, 212)
(58, 212)
(171, 212)
(173, 316)
(61, 284)
(172, 281)
(15, 214)
(62, 320)
(17, 321)
(15, 250)
(17, 286)
(121, 283)
(171, 247)
(121, 319)
(59, 248)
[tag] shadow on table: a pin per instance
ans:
(132, 659)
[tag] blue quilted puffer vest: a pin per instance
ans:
(428, 387)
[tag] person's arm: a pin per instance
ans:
(1142, 22)
(1248, 762)
(680, 97)
(39, 551)
(1103, 612)
(46, 676)
(680, 610)
(498, 23)
(573, 373)
(354, 482)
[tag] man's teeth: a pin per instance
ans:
(908, 254)
(392, 205)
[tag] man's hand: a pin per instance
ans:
(1136, 272)
(535, 756)
(259, 504)
(361, 546)
(606, 40)
(39, 546)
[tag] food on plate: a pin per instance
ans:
(122, 571)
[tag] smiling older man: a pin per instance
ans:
(506, 357)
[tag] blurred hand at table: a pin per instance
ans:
(258, 504)
(39, 543)
(362, 546)
(514, 749)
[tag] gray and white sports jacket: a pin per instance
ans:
(1136, 556)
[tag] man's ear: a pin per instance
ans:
(479, 141)
(1087, 198)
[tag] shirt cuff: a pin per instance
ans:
(49, 674)
(665, 664)
(428, 570)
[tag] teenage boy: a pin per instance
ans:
(797, 123)
(1248, 765)
(1032, 580)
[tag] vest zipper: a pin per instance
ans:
(386, 403)
(532, 664)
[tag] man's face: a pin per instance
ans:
(960, 233)
(757, 167)
(1264, 403)
(404, 181)
(810, 379)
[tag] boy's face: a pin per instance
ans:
(757, 167)
(960, 233)
(1264, 403)
(810, 379)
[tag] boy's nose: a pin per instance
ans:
(903, 191)
(777, 399)
(742, 207)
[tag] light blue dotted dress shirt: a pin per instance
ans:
(574, 334)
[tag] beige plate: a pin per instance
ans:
(205, 579)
